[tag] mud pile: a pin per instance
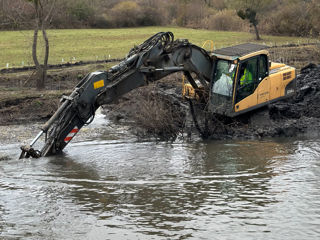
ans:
(301, 113)
(306, 102)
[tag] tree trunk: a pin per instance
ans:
(43, 78)
(256, 31)
(41, 75)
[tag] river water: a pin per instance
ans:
(109, 185)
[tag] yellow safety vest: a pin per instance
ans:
(246, 78)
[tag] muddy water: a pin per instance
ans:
(108, 185)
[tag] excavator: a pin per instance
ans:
(231, 81)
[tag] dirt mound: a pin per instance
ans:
(306, 102)
(304, 107)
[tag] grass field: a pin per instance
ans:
(93, 44)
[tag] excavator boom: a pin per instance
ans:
(154, 59)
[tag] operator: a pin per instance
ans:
(223, 84)
(246, 75)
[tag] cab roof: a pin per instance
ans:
(238, 51)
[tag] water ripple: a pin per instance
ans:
(118, 189)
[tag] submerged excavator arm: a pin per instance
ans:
(154, 59)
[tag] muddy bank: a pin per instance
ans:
(20, 102)
(301, 113)
(18, 108)
(57, 79)
(159, 110)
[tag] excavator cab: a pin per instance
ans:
(243, 81)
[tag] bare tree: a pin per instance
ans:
(251, 15)
(43, 10)
(250, 10)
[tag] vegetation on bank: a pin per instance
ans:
(70, 45)
(281, 17)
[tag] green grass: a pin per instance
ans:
(92, 44)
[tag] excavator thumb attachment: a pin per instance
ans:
(76, 110)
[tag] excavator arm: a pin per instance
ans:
(154, 59)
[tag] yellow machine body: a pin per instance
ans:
(188, 91)
(269, 82)
(270, 89)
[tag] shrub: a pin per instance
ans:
(81, 11)
(125, 14)
(191, 14)
(160, 116)
(225, 20)
(315, 18)
(293, 20)
(100, 21)
(150, 16)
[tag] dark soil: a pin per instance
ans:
(20, 102)
(28, 108)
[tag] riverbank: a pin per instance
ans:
(158, 110)
(21, 103)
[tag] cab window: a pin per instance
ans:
(223, 78)
(263, 67)
(248, 78)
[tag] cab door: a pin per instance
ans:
(256, 88)
(263, 89)
(247, 82)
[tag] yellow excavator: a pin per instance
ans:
(244, 79)
(231, 81)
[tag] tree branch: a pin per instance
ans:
(50, 11)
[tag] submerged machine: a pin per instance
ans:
(231, 81)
